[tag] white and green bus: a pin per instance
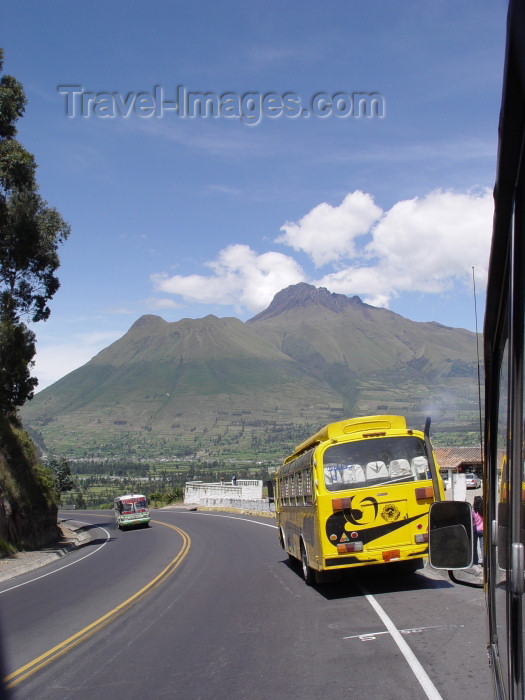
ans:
(131, 510)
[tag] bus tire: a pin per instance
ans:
(308, 573)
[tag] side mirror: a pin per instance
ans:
(450, 535)
(269, 485)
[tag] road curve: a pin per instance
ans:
(233, 619)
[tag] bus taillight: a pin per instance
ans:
(424, 492)
(345, 547)
(341, 504)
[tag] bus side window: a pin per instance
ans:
(308, 488)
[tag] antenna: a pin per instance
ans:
(479, 372)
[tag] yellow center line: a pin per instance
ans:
(30, 668)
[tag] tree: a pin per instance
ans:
(30, 233)
(61, 472)
(17, 349)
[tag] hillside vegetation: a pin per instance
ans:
(219, 388)
(28, 511)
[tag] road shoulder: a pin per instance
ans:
(71, 538)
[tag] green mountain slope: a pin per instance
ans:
(350, 344)
(221, 387)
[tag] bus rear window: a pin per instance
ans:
(373, 462)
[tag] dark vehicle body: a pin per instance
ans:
(450, 536)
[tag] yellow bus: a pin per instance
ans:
(358, 493)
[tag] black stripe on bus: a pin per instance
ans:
(335, 525)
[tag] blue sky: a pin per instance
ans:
(183, 216)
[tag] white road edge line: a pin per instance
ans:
(430, 689)
(49, 573)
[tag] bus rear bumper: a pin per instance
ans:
(137, 522)
(368, 559)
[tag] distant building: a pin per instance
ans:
(459, 460)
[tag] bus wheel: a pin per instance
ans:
(308, 573)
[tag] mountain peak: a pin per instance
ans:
(303, 294)
(148, 320)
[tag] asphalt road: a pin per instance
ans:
(206, 605)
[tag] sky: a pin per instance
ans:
(209, 154)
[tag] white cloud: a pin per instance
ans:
(422, 245)
(427, 245)
(240, 278)
(363, 281)
(327, 233)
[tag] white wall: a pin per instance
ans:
(246, 494)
